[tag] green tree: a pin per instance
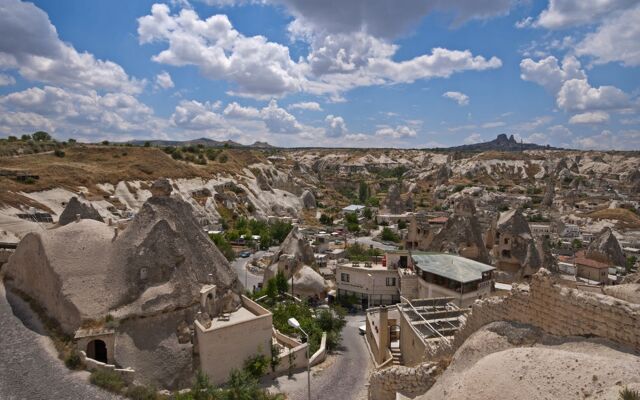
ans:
(224, 246)
(280, 230)
(402, 224)
(367, 213)
(272, 289)
(576, 244)
(265, 239)
(147, 144)
(631, 261)
(363, 192)
(41, 136)
(282, 284)
(25, 138)
(326, 220)
(389, 235)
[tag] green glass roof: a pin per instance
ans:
(450, 266)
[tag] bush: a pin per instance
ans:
(223, 158)
(224, 246)
(147, 144)
(389, 235)
(108, 380)
(256, 366)
(59, 153)
(629, 394)
(105, 142)
(73, 360)
(353, 227)
(326, 220)
(142, 393)
(41, 136)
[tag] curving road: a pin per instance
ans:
(29, 367)
(344, 375)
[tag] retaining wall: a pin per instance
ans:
(559, 311)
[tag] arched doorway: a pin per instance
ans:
(97, 350)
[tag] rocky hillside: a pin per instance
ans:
(221, 183)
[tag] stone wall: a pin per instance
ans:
(555, 309)
(559, 311)
(384, 384)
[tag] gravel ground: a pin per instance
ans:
(344, 375)
(29, 367)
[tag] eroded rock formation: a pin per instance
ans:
(605, 248)
(147, 278)
(76, 210)
(462, 233)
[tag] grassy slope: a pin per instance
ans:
(89, 165)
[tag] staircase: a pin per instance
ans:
(396, 354)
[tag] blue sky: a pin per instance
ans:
(363, 73)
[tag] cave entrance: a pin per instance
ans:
(97, 350)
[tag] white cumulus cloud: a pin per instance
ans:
(164, 80)
(459, 97)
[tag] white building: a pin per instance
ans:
(370, 283)
(570, 231)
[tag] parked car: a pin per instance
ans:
(362, 329)
(245, 254)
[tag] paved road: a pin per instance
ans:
(239, 265)
(29, 367)
(344, 376)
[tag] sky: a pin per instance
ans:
(356, 73)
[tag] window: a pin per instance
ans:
(391, 281)
(344, 277)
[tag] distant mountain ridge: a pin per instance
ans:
(202, 141)
(501, 143)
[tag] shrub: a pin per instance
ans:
(147, 144)
(224, 246)
(73, 360)
(326, 220)
(105, 142)
(108, 380)
(142, 393)
(41, 136)
(256, 366)
(389, 235)
(629, 394)
(223, 158)
(59, 153)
